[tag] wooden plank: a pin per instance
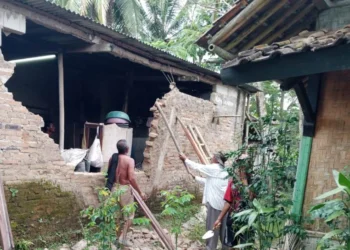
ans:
(272, 27)
(162, 154)
(304, 102)
(293, 65)
(171, 134)
(5, 226)
(155, 224)
(208, 153)
(301, 175)
(61, 100)
(193, 143)
(254, 26)
(194, 136)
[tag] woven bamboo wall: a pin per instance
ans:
(331, 144)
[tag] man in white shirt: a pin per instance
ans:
(214, 190)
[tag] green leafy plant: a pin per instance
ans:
(102, 227)
(23, 245)
(13, 192)
(176, 206)
(264, 217)
(335, 213)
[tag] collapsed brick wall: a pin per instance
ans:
(331, 144)
(27, 154)
(221, 134)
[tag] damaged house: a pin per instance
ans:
(62, 67)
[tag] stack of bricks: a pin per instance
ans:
(219, 136)
(27, 154)
(331, 144)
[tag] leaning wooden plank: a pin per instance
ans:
(202, 139)
(198, 143)
(201, 157)
(5, 227)
(171, 133)
(165, 239)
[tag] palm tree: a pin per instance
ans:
(123, 15)
(166, 17)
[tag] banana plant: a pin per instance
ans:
(335, 213)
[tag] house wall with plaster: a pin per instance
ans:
(331, 144)
(162, 164)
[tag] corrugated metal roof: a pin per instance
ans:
(89, 23)
(131, 42)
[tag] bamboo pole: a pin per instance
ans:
(273, 26)
(254, 26)
(165, 239)
(171, 134)
(220, 52)
(5, 226)
(61, 99)
(238, 21)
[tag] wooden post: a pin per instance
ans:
(301, 176)
(5, 226)
(162, 154)
(127, 91)
(61, 99)
(171, 134)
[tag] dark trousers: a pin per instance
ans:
(212, 216)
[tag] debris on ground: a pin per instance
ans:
(147, 239)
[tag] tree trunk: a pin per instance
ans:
(282, 105)
(260, 101)
(215, 13)
(301, 120)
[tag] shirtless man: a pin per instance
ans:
(125, 177)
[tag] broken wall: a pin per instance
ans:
(27, 154)
(220, 123)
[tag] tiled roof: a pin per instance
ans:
(305, 41)
(256, 22)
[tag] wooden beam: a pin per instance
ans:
(293, 65)
(95, 48)
(305, 103)
(128, 87)
(238, 21)
(120, 52)
(273, 26)
(254, 26)
(296, 19)
(5, 226)
(61, 100)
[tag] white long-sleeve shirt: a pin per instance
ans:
(216, 182)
